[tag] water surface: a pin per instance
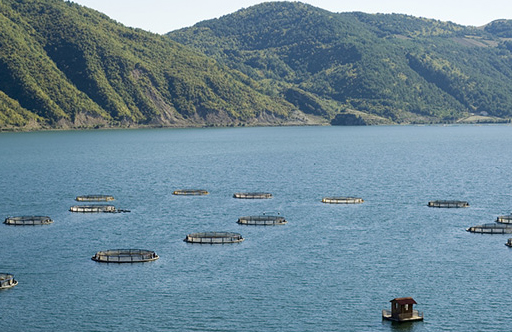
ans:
(331, 268)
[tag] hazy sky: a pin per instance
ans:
(162, 16)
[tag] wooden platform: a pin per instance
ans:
(416, 316)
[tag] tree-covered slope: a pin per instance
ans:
(63, 65)
(66, 66)
(395, 67)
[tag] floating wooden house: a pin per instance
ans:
(402, 310)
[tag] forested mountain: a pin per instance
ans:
(63, 65)
(346, 66)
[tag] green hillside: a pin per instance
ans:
(65, 66)
(365, 68)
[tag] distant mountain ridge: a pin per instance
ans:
(66, 66)
(396, 68)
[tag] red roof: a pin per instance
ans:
(404, 300)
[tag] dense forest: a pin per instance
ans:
(395, 68)
(63, 65)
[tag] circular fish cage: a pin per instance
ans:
(28, 220)
(93, 208)
(342, 200)
(448, 204)
(7, 281)
(504, 219)
(491, 229)
(214, 237)
(94, 198)
(252, 195)
(190, 192)
(125, 256)
(262, 220)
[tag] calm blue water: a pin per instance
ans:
(331, 268)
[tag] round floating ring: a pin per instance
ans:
(190, 192)
(504, 219)
(7, 281)
(491, 229)
(125, 256)
(28, 220)
(342, 200)
(448, 204)
(94, 198)
(93, 208)
(262, 220)
(214, 237)
(252, 195)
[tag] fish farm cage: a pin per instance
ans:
(448, 204)
(342, 200)
(93, 208)
(190, 192)
(125, 256)
(262, 220)
(252, 195)
(94, 198)
(491, 229)
(504, 219)
(28, 220)
(214, 237)
(7, 281)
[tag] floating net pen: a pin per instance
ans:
(214, 237)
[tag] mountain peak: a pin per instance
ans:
(398, 67)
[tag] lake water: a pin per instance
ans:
(331, 268)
